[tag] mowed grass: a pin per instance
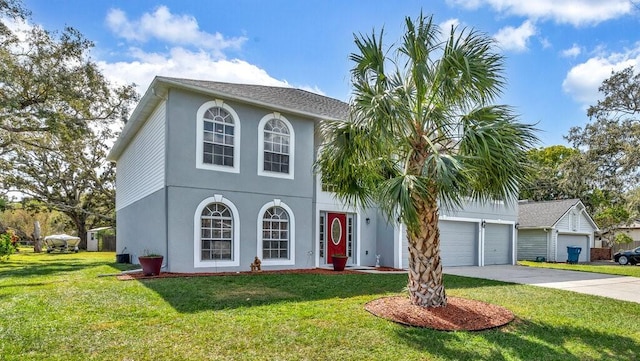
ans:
(55, 307)
(608, 268)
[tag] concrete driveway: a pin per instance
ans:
(618, 287)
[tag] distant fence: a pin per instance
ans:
(107, 244)
(617, 247)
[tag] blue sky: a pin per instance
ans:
(557, 51)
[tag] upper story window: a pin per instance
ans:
(218, 133)
(276, 146)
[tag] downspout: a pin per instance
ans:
(546, 231)
(483, 224)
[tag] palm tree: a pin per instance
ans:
(425, 135)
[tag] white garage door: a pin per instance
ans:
(458, 243)
(565, 240)
(497, 244)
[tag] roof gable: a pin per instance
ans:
(544, 214)
(287, 100)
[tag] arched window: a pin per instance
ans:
(218, 137)
(216, 233)
(276, 234)
(276, 139)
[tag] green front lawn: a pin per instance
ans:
(55, 307)
(612, 269)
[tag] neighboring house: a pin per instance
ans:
(632, 230)
(212, 174)
(545, 229)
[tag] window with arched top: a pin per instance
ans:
(276, 146)
(276, 234)
(216, 233)
(218, 133)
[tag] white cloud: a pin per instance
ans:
(447, 24)
(572, 52)
(545, 43)
(515, 39)
(192, 53)
(583, 80)
(184, 63)
(446, 27)
(574, 12)
(173, 29)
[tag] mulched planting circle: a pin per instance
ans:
(460, 314)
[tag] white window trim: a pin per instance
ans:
(292, 142)
(197, 241)
(292, 235)
(200, 139)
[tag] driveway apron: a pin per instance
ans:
(617, 287)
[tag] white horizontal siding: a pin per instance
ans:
(532, 244)
(140, 168)
(585, 225)
(565, 223)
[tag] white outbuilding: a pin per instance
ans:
(546, 229)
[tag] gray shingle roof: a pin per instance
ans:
(543, 214)
(292, 99)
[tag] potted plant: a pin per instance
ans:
(151, 263)
(339, 261)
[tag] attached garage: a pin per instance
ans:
(497, 244)
(565, 240)
(470, 238)
(459, 243)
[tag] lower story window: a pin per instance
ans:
(216, 232)
(275, 234)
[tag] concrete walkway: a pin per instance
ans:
(618, 287)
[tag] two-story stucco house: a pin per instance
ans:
(213, 174)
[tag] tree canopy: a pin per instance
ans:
(50, 84)
(548, 178)
(71, 176)
(56, 114)
(603, 166)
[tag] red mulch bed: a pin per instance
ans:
(459, 314)
(324, 271)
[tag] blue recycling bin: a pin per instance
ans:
(573, 254)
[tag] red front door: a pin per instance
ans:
(337, 234)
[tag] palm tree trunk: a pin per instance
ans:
(426, 287)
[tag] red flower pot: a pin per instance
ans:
(339, 262)
(151, 265)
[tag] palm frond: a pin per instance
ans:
(426, 129)
(493, 150)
